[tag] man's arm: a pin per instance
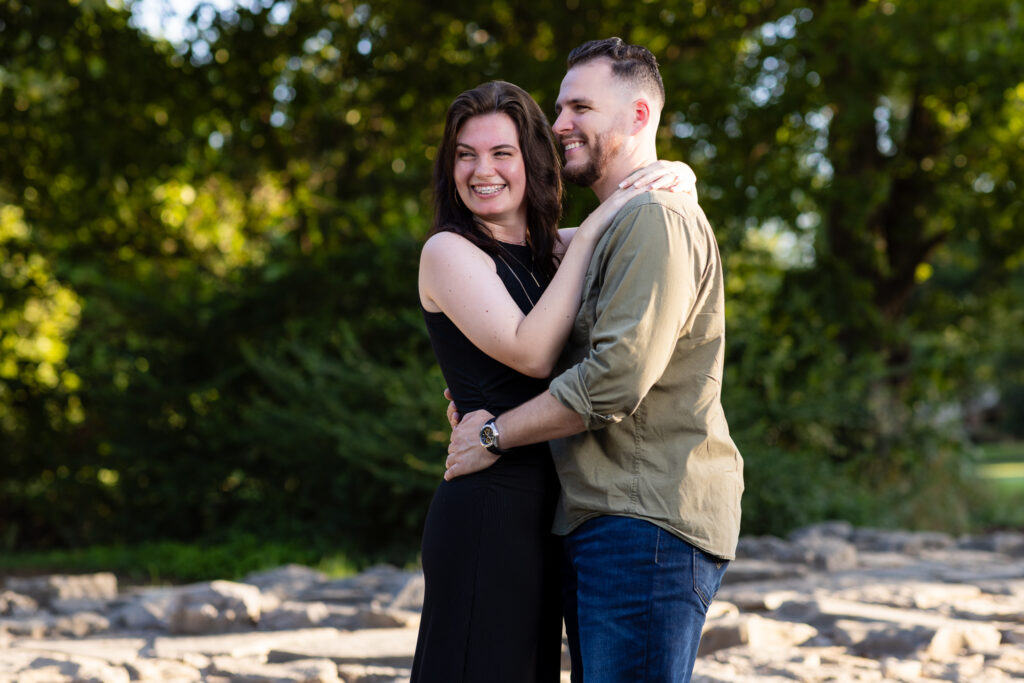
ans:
(647, 291)
(539, 419)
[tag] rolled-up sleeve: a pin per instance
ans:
(648, 282)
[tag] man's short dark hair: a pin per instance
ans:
(632, 63)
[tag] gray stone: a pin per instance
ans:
(1003, 542)
(215, 607)
(27, 627)
(59, 587)
(358, 673)
(746, 571)
(162, 670)
(286, 582)
(81, 624)
(13, 661)
(16, 605)
(54, 668)
(829, 554)
(142, 615)
(901, 669)
(949, 642)
(877, 640)
(376, 616)
(343, 617)
(761, 547)
(256, 671)
(291, 615)
(755, 631)
(381, 583)
(239, 644)
(111, 650)
(386, 647)
(804, 609)
(410, 596)
(839, 529)
(908, 542)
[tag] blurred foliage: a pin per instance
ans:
(174, 562)
(208, 318)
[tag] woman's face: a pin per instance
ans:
(490, 175)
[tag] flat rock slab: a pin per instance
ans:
(240, 644)
(392, 647)
(111, 650)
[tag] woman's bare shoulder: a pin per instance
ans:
(447, 247)
(447, 240)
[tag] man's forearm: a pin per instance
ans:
(540, 419)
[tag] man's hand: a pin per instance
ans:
(453, 412)
(465, 454)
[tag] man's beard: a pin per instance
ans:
(591, 172)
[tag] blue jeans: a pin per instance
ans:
(635, 601)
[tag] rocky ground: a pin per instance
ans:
(829, 603)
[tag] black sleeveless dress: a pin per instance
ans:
(492, 604)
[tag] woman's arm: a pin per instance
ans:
(459, 279)
(672, 176)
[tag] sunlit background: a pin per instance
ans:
(211, 213)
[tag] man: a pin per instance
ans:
(651, 480)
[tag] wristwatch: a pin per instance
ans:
(489, 437)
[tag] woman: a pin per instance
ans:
(499, 286)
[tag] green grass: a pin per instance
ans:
(175, 562)
(1000, 499)
(1001, 452)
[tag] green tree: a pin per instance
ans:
(208, 318)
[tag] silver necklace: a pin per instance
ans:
(528, 270)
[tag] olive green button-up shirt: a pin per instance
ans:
(646, 356)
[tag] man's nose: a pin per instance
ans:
(561, 124)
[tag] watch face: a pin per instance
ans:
(487, 436)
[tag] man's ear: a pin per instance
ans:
(641, 114)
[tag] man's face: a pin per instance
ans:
(591, 110)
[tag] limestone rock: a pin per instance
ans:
(908, 542)
(382, 583)
(291, 615)
(376, 616)
(901, 669)
(112, 650)
(239, 644)
(256, 671)
(143, 614)
(16, 605)
(381, 646)
(286, 582)
(828, 603)
(839, 529)
(46, 590)
(57, 668)
(949, 642)
(80, 624)
(410, 596)
(35, 626)
(358, 673)
(878, 640)
(163, 670)
(749, 570)
(215, 607)
(829, 554)
(755, 631)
